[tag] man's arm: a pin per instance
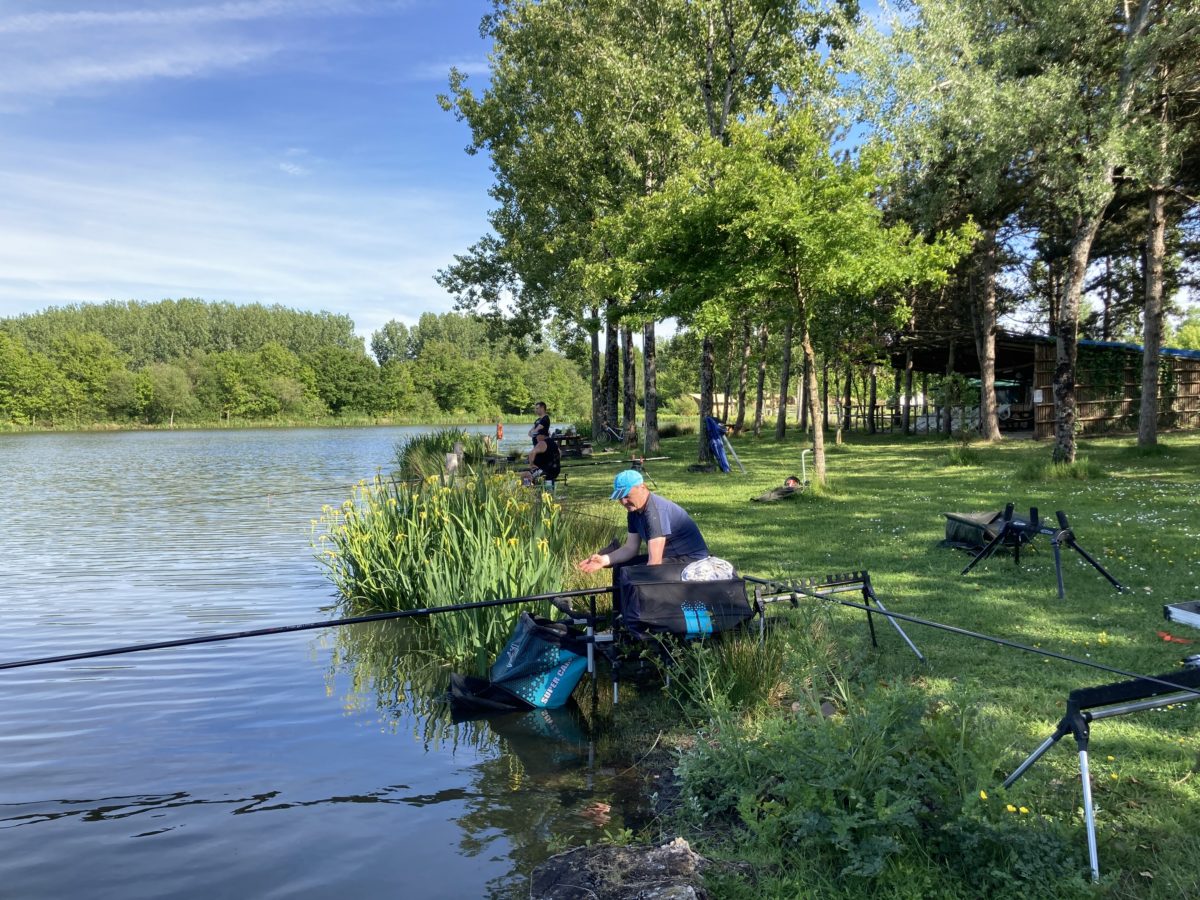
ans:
(655, 547)
(626, 551)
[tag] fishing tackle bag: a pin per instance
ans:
(972, 531)
(656, 601)
(538, 668)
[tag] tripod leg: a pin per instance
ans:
(1054, 542)
(986, 551)
(1089, 814)
(911, 646)
(1099, 568)
(1034, 757)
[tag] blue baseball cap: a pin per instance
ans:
(624, 483)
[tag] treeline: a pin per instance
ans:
(769, 172)
(144, 333)
(191, 361)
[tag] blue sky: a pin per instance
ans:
(274, 151)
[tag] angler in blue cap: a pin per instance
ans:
(669, 532)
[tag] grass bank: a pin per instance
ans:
(865, 773)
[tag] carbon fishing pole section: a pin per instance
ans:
(348, 486)
(288, 629)
(775, 588)
(778, 589)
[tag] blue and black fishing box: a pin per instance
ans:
(654, 601)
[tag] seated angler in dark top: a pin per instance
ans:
(539, 433)
(669, 532)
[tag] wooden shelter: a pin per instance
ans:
(1108, 381)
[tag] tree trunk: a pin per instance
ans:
(650, 379)
(895, 412)
(846, 404)
(815, 412)
(728, 382)
(824, 392)
(799, 396)
(784, 379)
(597, 389)
(707, 363)
(906, 415)
(983, 299)
(1152, 316)
(1067, 339)
(804, 396)
(629, 377)
(872, 396)
(740, 425)
(948, 410)
(1106, 301)
(763, 335)
(612, 368)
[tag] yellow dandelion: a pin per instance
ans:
(983, 795)
(1024, 810)
(512, 542)
(1113, 776)
(1112, 759)
(1011, 808)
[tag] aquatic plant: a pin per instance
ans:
(423, 455)
(397, 546)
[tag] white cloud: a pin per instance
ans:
(71, 75)
(290, 168)
(126, 228)
(186, 15)
(440, 71)
(48, 54)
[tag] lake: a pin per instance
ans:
(296, 765)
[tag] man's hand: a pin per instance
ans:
(593, 563)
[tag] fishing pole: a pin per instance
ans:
(308, 626)
(611, 462)
(784, 588)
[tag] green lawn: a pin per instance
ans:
(1139, 514)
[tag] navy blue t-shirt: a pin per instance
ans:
(662, 518)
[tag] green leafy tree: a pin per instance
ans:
(399, 394)
(86, 361)
(1187, 335)
(346, 379)
(31, 387)
(392, 341)
(771, 213)
(166, 392)
(460, 384)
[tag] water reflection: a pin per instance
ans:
(546, 779)
(344, 739)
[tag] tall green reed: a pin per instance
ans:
(423, 455)
(440, 542)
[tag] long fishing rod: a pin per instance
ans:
(785, 588)
(308, 626)
(613, 462)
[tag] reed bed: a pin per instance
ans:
(441, 541)
(424, 455)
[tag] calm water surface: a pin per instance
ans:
(296, 765)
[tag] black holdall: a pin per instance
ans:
(655, 601)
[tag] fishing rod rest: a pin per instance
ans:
(1106, 701)
(1015, 532)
